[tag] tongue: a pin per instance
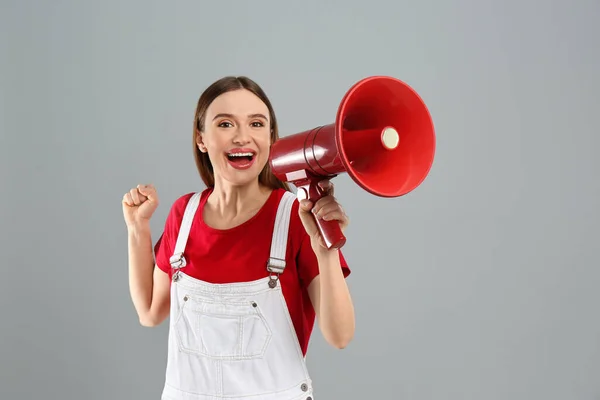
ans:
(239, 160)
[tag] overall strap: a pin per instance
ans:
(276, 263)
(177, 260)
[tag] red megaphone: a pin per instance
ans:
(383, 137)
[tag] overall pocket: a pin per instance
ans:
(221, 329)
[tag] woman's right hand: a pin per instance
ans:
(139, 204)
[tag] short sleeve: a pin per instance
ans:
(161, 249)
(308, 266)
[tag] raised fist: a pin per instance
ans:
(139, 204)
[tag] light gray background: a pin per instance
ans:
(482, 284)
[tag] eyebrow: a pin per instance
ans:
(225, 115)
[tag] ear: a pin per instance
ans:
(200, 142)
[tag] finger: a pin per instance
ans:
(336, 215)
(137, 197)
(127, 199)
(306, 205)
(306, 216)
(324, 202)
(328, 209)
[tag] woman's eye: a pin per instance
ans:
(225, 125)
(257, 124)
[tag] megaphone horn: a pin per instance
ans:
(383, 137)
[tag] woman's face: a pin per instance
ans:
(237, 136)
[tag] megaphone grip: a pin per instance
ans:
(332, 233)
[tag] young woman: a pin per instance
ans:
(241, 268)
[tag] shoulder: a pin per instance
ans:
(178, 206)
(182, 201)
(295, 221)
(296, 226)
(298, 240)
(176, 211)
(166, 240)
(296, 231)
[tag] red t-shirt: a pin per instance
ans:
(240, 254)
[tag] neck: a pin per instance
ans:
(230, 202)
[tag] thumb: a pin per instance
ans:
(146, 190)
(306, 206)
(307, 217)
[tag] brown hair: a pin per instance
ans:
(223, 85)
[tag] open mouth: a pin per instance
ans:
(240, 156)
(241, 160)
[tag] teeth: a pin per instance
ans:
(240, 154)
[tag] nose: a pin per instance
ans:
(242, 136)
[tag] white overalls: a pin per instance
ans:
(234, 341)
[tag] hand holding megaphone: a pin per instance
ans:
(324, 217)
(383, 137)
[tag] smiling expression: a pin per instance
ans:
(237, 136)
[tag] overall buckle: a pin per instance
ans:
(177, 261)
(275, 266)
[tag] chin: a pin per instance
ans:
(243, 173)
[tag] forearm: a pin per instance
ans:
(141, 267)
(335, 303)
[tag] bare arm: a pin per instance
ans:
(329, 292)
(149, 286)
(332, 302)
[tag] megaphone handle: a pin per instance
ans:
(330, 230)
(332, 233)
